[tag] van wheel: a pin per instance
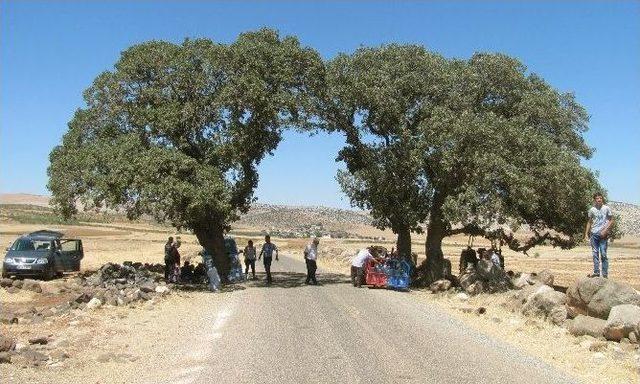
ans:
(5, 275)
(49, 275)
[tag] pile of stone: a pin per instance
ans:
(535, 296)
(118, 285)
(112, 284)
(38, 351)
(597, 307)
(13, 286)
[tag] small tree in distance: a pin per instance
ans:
(177, 130)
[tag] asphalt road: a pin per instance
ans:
(335, 333)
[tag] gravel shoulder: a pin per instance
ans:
(589, 359)
(125, 345)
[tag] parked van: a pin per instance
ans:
(42, 254)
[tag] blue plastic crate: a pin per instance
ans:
(399, 281)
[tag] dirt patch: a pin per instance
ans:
(113, 344)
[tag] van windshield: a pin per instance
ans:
(31, 245)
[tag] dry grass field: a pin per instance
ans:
(111, 238)
(143, 242)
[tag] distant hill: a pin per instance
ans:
(24, 199)
(629, 217)
(295, 221)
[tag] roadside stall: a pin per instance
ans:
(388, 272)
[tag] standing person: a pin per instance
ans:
(358, 263)
(174, 274)
(310, 257)
(250, 259)
(597, 232)
(267, 251)
(168, 258)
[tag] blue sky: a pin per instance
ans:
(51, 51)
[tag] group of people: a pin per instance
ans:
(266, 254)
(188, 273)
(377, 256)
(469, 257)
(597, 232)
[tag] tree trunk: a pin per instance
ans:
(211, 237)
(433, 247)
(403, 244)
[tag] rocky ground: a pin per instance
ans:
(32, 311)
(156, 343)
(629, 215)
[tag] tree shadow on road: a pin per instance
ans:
(205, 287)
(280, 280)
(296, 279)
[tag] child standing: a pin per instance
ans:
(250, 259)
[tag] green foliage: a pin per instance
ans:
(473, 146)
(177, 130)
(377, 97)
(616, 232)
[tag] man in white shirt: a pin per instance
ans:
(358, 264)
(267, 251)
(310, 257)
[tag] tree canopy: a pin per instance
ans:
(177, 130)
(477, 146)
(474, 146)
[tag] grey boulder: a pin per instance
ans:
(548, 303)
(596, 296)
(440, 285)
(7, 344)
(623, 319)
(587, 325)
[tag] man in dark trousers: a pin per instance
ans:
(267, 251)
(310, 257)
(168, 258)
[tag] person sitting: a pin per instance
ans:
(186, 272)
(499, 253)
(174, 273)
(199, 273)
(493, 256)
(468, 259)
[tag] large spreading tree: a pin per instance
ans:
(177, 130)
(474, 146)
